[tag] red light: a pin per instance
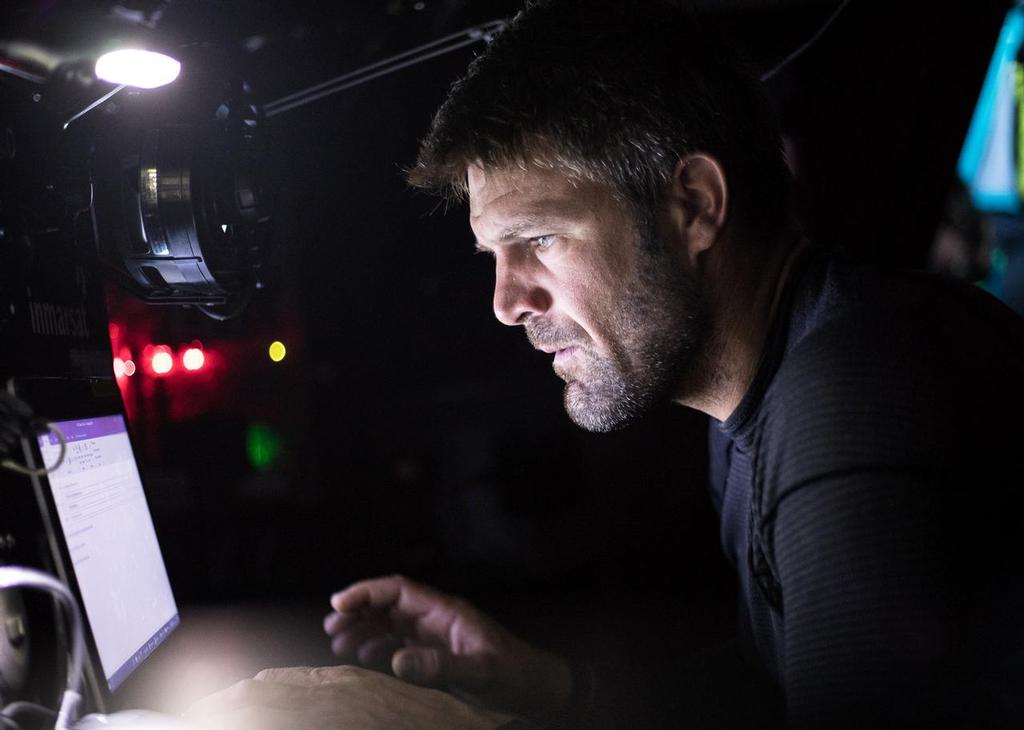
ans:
(119, 371)
(193, 359)
(161, 362)
(129, 368)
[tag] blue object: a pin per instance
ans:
(988, 163)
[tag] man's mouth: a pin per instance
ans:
(564, 354)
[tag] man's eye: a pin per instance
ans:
(544, 242)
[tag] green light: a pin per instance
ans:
(262, 445)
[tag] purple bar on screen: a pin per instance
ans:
(115, 679)
(86, 428)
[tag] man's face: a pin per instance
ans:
(620, 314)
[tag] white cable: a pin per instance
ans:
(21, 73)
(768, 75)
(94, 104)
(454, 41)
(18, 577)
(383, 72)
(14, 466)
(476, 32)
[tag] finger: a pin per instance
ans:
(366, 620)
(376, 653)
(212, 703)
(295, 693)
(241, 694)
(379, 593)
(308, 676)
(433, 667)
(345, 645)
(310, 683)
(285, 675)
(385, 593)
(420, 665)
(335, 621)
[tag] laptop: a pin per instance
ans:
(99, 529)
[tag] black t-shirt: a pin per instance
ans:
(869, 486)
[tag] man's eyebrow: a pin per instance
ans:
(515, 229)
(547, 216)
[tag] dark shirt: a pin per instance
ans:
(869, 490)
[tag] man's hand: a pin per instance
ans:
(336, 698)
(428, 638)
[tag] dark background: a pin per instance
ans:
(419, 436)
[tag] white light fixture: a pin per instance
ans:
(142, 69)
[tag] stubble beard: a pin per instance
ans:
(657, 329)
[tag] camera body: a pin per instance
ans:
(159, 192)
(53, 319)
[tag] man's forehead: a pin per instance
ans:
(476, 183)
(530, 191)
(489, 186)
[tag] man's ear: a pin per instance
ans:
(698, 199)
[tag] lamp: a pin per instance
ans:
(136, 67)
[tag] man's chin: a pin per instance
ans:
(564, 374)
(593, 413)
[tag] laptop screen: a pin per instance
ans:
(111, 541)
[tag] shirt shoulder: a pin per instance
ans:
(890, 371)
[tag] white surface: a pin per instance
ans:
(137, 719)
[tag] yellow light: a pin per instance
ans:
(277, 351)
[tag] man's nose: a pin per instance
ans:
(517, 295)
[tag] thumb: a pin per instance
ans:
(435, 666)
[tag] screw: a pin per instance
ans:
(15, 626)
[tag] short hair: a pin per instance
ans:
(616, 92)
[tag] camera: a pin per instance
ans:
(159, 191)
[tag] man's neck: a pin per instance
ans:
(744, 283)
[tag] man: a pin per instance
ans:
(628, 180)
